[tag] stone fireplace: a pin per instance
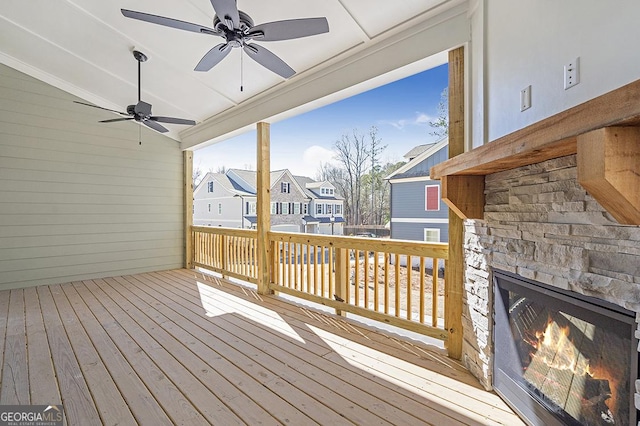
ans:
(541, 225)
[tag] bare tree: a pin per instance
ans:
(197, 176)
(352, 152)
(441, 124)
(375, 182)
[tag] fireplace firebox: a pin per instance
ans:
(562, 358)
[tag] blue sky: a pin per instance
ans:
(400, 110)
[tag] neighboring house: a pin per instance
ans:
(298, 204)
(219, 201)
(417, 211)
(326, 209)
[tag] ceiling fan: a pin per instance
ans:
(141, 112)
(237, 29)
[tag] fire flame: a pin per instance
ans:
(555, 348)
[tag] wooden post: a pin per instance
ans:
(454, 271)
(263, 207)
(342, 278)
(188, 209)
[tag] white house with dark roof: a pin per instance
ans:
(417, 211)
(298, 203)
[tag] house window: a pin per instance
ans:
(432, 235)
(285, 187)
(284, 208)
(209, 186)
(274, 208)
(330, 191)
(219, 208)
(432, 198)
(329, 208)
(322, 191)
(252, 207)
(338, 209)
(318, 208)
(305, 208)
(296, 208)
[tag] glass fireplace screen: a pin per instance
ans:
(563, 354)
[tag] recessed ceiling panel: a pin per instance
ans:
(376, 18)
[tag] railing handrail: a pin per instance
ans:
(402, 247)
(233, 232)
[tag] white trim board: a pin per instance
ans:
(418, 220)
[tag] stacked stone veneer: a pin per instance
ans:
(541, 224)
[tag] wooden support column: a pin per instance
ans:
(188, 209)
(263, 207)
(609, 169)
(341, 277)
(454, 269)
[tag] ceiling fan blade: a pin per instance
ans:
(113, 120)
(289, 29)
(227, 11)
(155, 126)
(106, 109)
(168, 22)
(142, 108)
(213, 57)
(172, 120)
(269, 60)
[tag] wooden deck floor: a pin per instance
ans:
(179, 347)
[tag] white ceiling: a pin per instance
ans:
(84, 47)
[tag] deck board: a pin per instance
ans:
(15, 383)
(79, 407)
(180, 347)
(42, 376)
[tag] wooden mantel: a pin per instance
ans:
(608, 161)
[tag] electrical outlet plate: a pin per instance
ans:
(525, 98)
(572, 74)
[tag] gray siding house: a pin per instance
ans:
(417, 210)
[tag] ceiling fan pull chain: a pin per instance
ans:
(139, 135)
(241, 69)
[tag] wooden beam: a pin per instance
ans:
(188, 208)
(464, 195)
(455, 265)
(263, 207)
(550, 138)
(609, 169)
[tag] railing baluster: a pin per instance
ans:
(422, 295)
(397, 284)
(376, 277)
(316, 271)
(434, 292)
(332, 272)
(366, 279)
(357, 279)
(347, 266)
(409, 288)
(323, 280)
(387, 261)
(308, 274)
(295, 266)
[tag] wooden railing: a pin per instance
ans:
(230, 252)
(392, 281)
